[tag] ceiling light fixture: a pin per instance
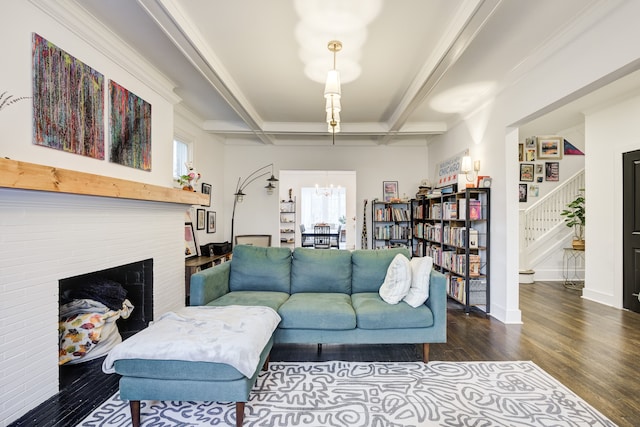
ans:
(333, 92)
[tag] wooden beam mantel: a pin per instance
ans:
(31, 176)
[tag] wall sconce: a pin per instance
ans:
(466, 169)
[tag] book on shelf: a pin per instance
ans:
(474, 265)
(473, 238)
(475, 209)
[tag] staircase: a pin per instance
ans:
(543, 233)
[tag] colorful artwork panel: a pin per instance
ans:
(68, 101)
(130, 126)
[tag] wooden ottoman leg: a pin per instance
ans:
(134, 406)
(239, 414)
(425, 352)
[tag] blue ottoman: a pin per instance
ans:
(195, 354)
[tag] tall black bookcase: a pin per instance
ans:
(455, 230)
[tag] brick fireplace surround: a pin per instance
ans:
(45, 237)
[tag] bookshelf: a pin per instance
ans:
(454, 229)
(288, 222)
(391, 224)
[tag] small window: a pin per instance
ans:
(181, 156)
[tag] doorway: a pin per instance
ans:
(329, 196)
(631, 230)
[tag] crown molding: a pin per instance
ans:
(72, 16)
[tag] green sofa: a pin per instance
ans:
(324, 296)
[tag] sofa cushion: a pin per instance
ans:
(255, 268)
(314, 270)
(331, 311)
(373, 313)
(261, 298)
(397, 281)
(420, 274)
(370, 268)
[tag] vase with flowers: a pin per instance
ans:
(188, 180)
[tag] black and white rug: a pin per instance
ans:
(354, 394)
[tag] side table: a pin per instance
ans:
(572, 264)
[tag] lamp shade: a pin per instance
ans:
(332, 86)
(466, 164)
(333, 103)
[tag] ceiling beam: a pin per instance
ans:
(470, 20)
(188, 40)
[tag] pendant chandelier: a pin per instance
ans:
(333, 92)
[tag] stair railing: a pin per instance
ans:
(541, 217)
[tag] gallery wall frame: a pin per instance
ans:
(550, 147)
(552, 171)
(527, 172)
(522, 193)
(211, 222)
(200, 219)
(206, 189)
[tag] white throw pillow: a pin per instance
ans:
(397, 281)
(420, 274)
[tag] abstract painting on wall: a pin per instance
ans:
(68, 101)
(130, 118)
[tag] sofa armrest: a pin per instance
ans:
(210, 284)
(437, 302)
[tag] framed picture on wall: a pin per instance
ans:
(200, 219)
(522, 193)
(552, 171)
(521, 152)
(190, 247)
(206, 189)
(211, 222)
(389, 190)
(550, 147)
(526, 172)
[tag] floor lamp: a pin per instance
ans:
(238, 196)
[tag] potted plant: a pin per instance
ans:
(185, 182)
(574, 217)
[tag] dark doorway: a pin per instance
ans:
(631, 230)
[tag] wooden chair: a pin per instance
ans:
(321, 239)
(254, 240)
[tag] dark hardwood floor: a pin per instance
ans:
(591, 348)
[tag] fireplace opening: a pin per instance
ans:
(101, 291)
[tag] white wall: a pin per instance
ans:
(610, 133)
(45, 237)
(588, 57)
(208, 160)
(405, 164)
(20, 20)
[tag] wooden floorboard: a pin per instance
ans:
(590, 348)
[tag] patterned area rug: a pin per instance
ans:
(380, 394)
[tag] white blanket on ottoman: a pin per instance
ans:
(235, 335)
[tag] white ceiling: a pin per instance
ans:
(425, 64)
